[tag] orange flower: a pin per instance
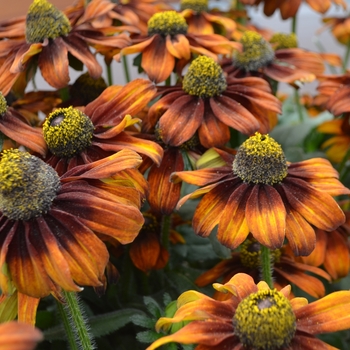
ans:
(287, 64)
(50, 225)
(210, 104)
(289, 8)
(167, 40)
(37, 37)
(80, 136)
(257, 191)
(255, 317)
(286, 270)
(340, 28)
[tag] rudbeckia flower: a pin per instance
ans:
(209, 103)
(255, 317)
(49, 35)
(51, 226)
(286, 270)
(168, 40)
(258, 191)
(286, 63)
(289, 8)
(17, 128)
(77, 136)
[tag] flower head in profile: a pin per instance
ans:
(209, 104)
(258, 191)
(255, 317)
(49, 35)
(51, 226)
(280, 60)
(168, 41)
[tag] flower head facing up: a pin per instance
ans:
(27, 185)
(265, 320)
(3, 105)
(194, 5)
(167, 23)
(284, 41)
(260, 159)
(257, 52)
(67, 132)
(205, 78)
(45, 21)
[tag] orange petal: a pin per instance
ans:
(317, 256)
(178, 46)
(27, 307)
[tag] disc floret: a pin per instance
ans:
(167, 23)
(260, 160)
(284, 41)
(204, 78)
(265, 320)
(27, 185)
(3, 105)
(195, 5)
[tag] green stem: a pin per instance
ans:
(126, 69)
(346, 57)
(266, 266)
(299, 109)
(168, 81)
(109, 74)
(166, 222)
(294, 24)
(64, 94)
(343, 163)
(75, 323)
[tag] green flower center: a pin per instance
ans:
(167, 23)
(260, 160)
(67, 132)
(257, 52)
(3, 105)
(250, 254)
(204, 78)
(45, 21)
(27, 185)
(265, 320)
(284, 41)
(195, 5)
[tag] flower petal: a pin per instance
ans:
(27, 308)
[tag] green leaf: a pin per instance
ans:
(142, 321)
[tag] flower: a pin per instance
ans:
(255, 317)
(80, 136)
(16, 127)
(209, 103)
(51, 226)
(257, 191)
(286, 270)
(289, 9)
(339, 27)
(49, 35)
(286, 64)
(167, 40)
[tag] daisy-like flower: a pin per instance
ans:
(289, 9)
(286, 63)
(340, 28)
(17, 128)
(258, 191)
(201, 21)
(255, 317)
(77, 136)
(209, 103)
(168, 40)
(50, 226)
(286, 270)
(49, 35)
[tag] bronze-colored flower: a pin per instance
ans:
(209, 103)
(51, 226)
(286, 270)
(258, 191)
(48, 35)
(287, 64)
(289, 8)
(168, 40)
(340, 28)
(255, 317)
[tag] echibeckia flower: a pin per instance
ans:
(201, 21)
(209, 103)
(255, 317)
(286, 64)
(50, 226)
(286, 270)
(168, 40)
(77, 136)
(49, 35)
(258, 191)
(289, 9)
(339, 27)
(17, 128)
